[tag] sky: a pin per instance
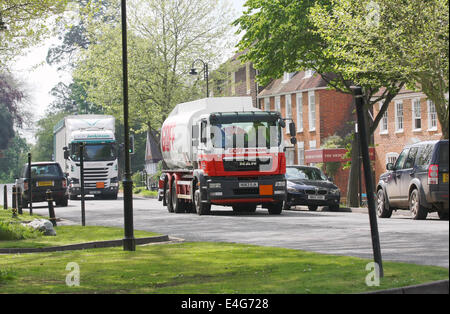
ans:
(39, 77)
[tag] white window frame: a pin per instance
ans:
(301, 153)
(313, 144)
(299, 102)
(277, 104)
(414, 118)
(384, 121)
(287, 76)
(288, 104)
(432, 116)
(312, 113)
(267, 104)
(399, 119)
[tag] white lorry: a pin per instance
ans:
(223, 151)
(100, 154)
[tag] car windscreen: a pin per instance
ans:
(312, 174)
(50, 170)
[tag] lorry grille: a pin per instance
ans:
(94, 175)
(247, 165)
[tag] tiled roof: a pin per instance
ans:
(296, 83)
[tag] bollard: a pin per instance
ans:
(51, 210)
(19, 200)
(5, 197)
(14, 197)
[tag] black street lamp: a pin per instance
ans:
(129, 242)
(3, 26)
(205, 73)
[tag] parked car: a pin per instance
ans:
(44, 176)
(310, 187)
(418, 181)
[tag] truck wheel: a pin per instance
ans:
(418, 212)
(244, 208)
(167, 197)
(383, 209)
(201, 208)
(72, 197)
(275, 208)
(176, 203)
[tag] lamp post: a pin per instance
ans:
(3, 26)
(129, 243)
(205, 73)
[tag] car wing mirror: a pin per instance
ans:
(390, 166)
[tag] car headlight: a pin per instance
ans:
(335, 191)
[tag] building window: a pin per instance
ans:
(247, 70)
(301, 153)
(391, 158)
(299, 112)
(312, 144)
(416, 115)
(267, 104)
(384, 121)
(277, 104)
(398, 116)
(290, 152)
(288, 103)
(432, 116)
(312, 111)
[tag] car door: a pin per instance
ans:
(406, 175)
(393, 184)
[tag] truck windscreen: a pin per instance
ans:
(94, 152)
(246, 134)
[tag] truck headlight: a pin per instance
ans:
(280, 184)
(215, 185)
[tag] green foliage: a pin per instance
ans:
(331, 168)
(26, 23)
(15, 231)
(43, 149)
(14, 159)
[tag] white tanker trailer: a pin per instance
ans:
(223, 151)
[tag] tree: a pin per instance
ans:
(26, 23)
(287, 36)
(164, 38)
(408, 39)
(13, 160)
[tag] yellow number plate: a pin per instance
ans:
(45, 183)
(445, 177)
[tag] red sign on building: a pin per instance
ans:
(331, 155)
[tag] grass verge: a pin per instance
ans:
(204, 268)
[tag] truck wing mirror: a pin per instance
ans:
(292, 129)
(66, 153)
(282, 123)
(293, 140)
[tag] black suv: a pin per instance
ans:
(44, 176)
(418, 181)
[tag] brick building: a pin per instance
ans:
(235, 78)
(317, 112)
(410, 118)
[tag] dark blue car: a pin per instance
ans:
(308, 186)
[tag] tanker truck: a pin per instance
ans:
(223, 151)
(100, 154)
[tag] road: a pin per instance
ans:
(341, 233)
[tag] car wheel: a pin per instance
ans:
(418, 212)
(286, 206)
(333, 208)
(383, 209)
(312, 208)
